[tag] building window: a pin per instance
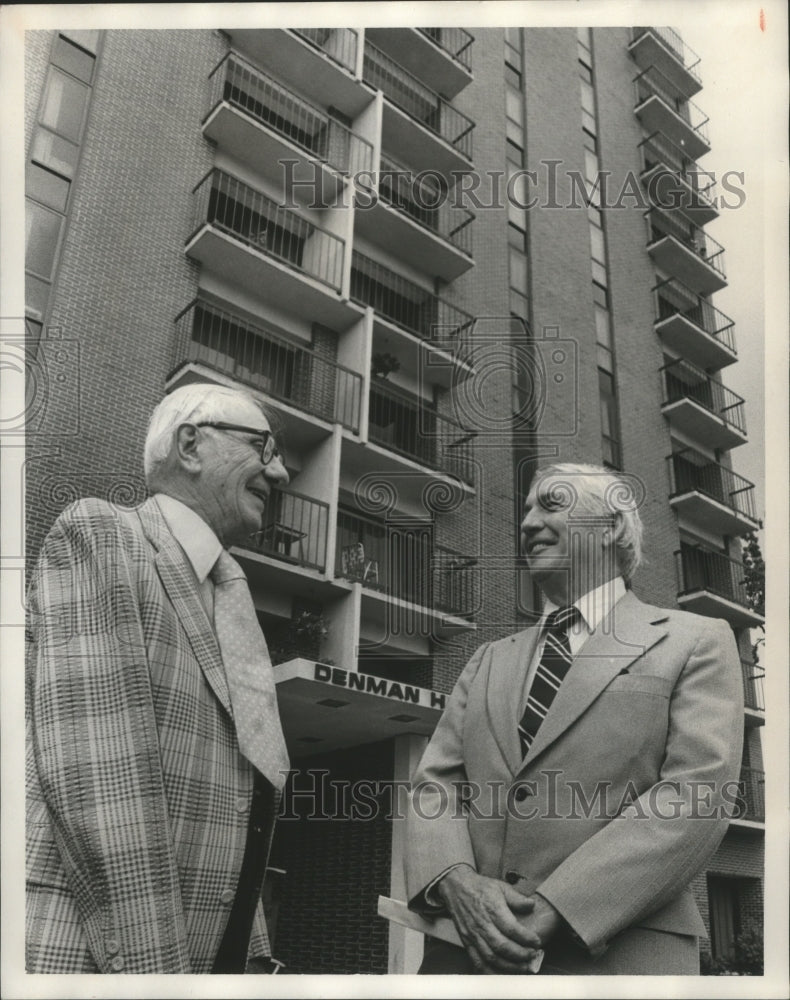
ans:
(725, 918)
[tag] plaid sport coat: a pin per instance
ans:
(137, 794)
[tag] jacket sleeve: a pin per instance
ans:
(95, 743)
(438, 834)
(651, 851)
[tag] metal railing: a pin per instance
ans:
(403, 562)
(426, 203)
(253, 355)
(230, 205)
(753, 692)
(660, 151)
(405, 425)
(454, 41)
(682, 380)
(751, 795)
(690, 470)
(651, 82)
(294, 530)
(418, 101)
(674, 223)
(684, 54)
(340, 44)
(406, 304)
(673, 298)
(271, 104)
(700, 568)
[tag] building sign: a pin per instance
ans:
(368, 684)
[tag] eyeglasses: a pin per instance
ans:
(268, 446)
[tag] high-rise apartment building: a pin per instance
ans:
(439, 259)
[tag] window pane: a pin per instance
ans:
(513, 107)
(514, 153)
(583, 35)
(36, 294)
(54, 152)
(588, 122)
(602, 333)
(516, 237)
(590, 166)
(86, 39)
(64, 105)
(73, 60)
(514, 132)
(513, 37)
(46, 187)
(596, 244)
(598, 272)
(604, 358)
(512, 77)
(600, 295)
(42, 228)
(588, 101)
(585, 72)
(518, 272)
(519, 304)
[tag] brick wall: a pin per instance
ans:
(37, 48)
(123, 274)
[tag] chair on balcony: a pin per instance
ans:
(355, 566)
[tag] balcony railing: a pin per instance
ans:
(658, 150)
(405, 425)
(340, 44)
(404, 563)
(652, 83)
(271, 104)
(674, 223)
(751, 795)
(294, 530)
(673, 298)
(406, 304)
(753, 693)
(455, 41)
(684, 54)
(690, 470)
(233, 207)
(705, 569)
(682, 380)
(426, 203)
(253, 355)
(418, 101)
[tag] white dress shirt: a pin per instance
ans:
(201, 546)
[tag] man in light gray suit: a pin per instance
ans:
(585, 769)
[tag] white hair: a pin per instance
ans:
(193, 404)
(597, 490)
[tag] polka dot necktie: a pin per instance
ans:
(555, 663)
(248, 669)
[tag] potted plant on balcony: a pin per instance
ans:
(301, 636)
(383, 364)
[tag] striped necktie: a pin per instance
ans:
(554, 665)
(249, 673)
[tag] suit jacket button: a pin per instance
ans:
(227, 896)
(112, 946)
(512, 877)
(241, 805)
(521, 793)
(117, 964)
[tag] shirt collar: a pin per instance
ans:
(201, 546)
(593, 606)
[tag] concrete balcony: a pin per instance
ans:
(666, 50)
(321, 63)
(263, 123)
(702, 408)
(415, 220)
(248, 239)
(712, 584)
(672, 179)
(690, 326)
(310, 393)
(440, 57)
(683, 251)
(662, 107)
(424, 332)
(428, 133)
(709, 495)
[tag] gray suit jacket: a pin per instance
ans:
(625, 792)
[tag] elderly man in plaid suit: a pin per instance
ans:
(148, 824)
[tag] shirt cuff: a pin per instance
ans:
(430, 897)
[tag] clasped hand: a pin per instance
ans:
(501, 929)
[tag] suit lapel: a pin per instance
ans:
(629, 631)
(506, 693)
(178, 580)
